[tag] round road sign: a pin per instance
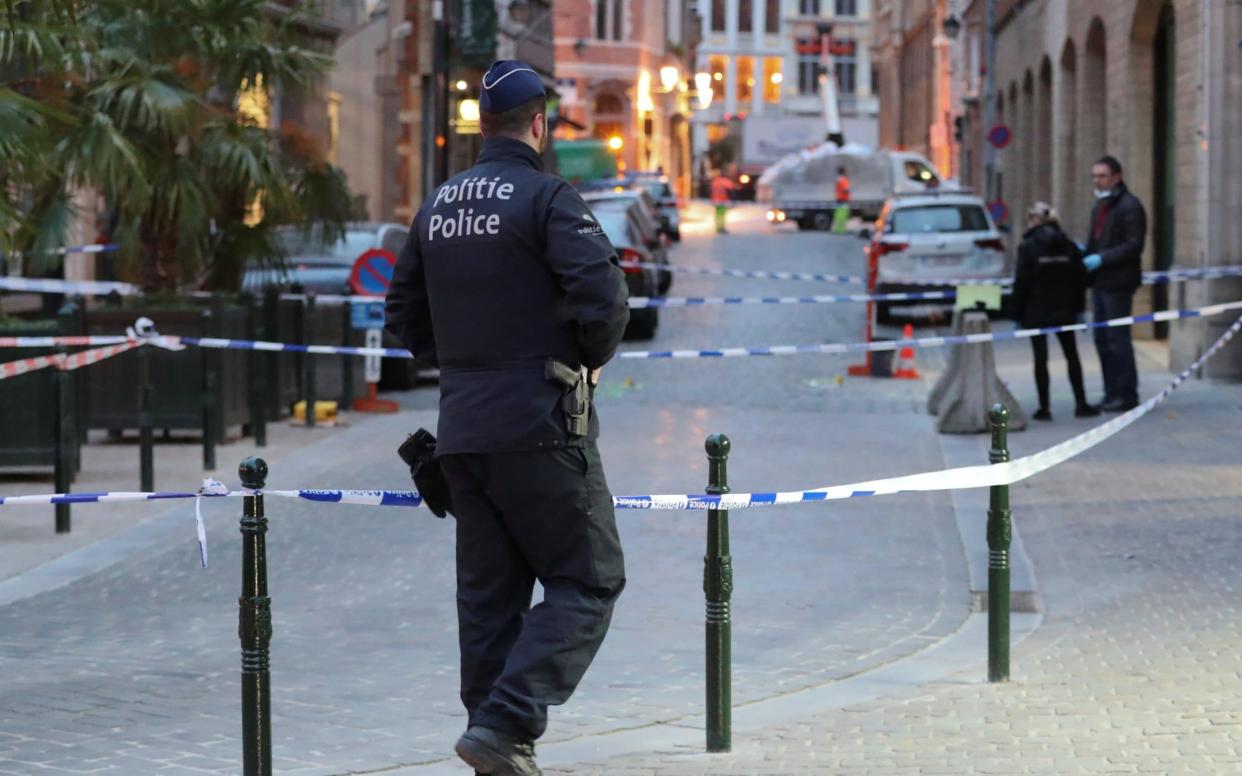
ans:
(999, 211)
(373, 272)
(1000, 135)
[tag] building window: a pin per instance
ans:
(772, 78)
(847, 7)
(618, 19)
(718, 15)
(808, 73)
(845, 59)
(745, 15)
(808, 7)
(716, 65)
(745, 81)
(772, 17)
(609, 19)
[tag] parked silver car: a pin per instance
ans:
(923, 239)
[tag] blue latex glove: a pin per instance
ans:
(1092, 262)
(1081, 247)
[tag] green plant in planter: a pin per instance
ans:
(159, 107)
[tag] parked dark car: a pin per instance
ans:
(648, 222)
(622, 223)
(313, 266)
(666, 201)
(318, 267)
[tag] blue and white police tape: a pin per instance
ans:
(53, 286)
(639, 302)
(176, 342)
(74, 249)
(945, 479)
(929, 342)
(746, 273)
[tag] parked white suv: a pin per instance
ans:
(922, 240)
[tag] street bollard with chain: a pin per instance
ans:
(254, 627)
(718, 587)
(1000, 533)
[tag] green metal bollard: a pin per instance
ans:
(718, 587)
(146, 439)
(254, 627)
(308, 387)
(347, 362)
(210, 362)
(1000, 533)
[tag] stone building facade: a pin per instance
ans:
(622, 72)
(1156, 83)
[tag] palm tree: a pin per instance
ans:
(138, 101)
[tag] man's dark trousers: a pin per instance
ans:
(1114, 345)
(522, 516)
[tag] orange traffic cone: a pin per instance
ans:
(904, 369)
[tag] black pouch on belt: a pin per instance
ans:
(419, 453)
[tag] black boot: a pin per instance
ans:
(1085, 410)
(492, 752)
(1043, 413)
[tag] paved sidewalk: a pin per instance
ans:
(1135, 667)
(28, 533)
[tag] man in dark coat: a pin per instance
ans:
(509, 285)
(1114, 258)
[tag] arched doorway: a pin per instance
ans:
(1093, 100)
(1029, 145)
(1164, 155)
(1043, 134)
(1068, 188)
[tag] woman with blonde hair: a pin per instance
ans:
(1049, 289)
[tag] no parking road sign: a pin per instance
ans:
(999, 136)
(372, 272)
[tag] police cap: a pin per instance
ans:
(507, 84)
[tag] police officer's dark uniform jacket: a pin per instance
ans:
(1050, 281)
(505, 268)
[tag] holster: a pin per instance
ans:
(419, 453)
(576, 400)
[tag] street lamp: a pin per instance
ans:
(669, 76)
(952, 26)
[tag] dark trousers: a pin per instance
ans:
(1069, 346)
(523, 516)
(1114, 346)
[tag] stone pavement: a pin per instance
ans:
(1134, 668)
(130, 664)
(854, 648)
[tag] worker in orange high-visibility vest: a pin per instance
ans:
(841, 216)
(722, 188)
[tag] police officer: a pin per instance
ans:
(509, 285)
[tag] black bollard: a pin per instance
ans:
(347, 362)
(258, 378)
(62, 446)
(254, 626)
(210, 362)
(146, 440)
(308, 387)
(718, 587)
(1000, 533)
